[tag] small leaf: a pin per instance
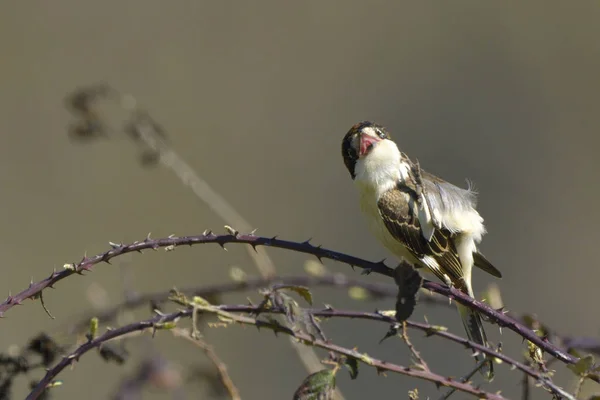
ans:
(409, 282)
(352, 365)
(301, 290)
(582, 367)
(165, 325)
(291, 308)
(201, 301)
(93, 328)
(317, 386)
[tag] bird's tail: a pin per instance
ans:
(474, 327)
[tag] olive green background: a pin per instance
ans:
(257, 97)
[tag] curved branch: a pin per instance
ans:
(430, 330)
(171, 242)
(377, 290)
(274, 326)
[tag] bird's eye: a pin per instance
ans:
(381, 134)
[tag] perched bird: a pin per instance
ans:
(418, 216)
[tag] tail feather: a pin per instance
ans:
(474, 328)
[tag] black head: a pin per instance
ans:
(359, 141)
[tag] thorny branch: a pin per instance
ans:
(150, 136)
(338, 280)
(430, 330)
(171, 242)
(375, 290)
(167, 321)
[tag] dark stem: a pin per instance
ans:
(171, 242)
(305, 337)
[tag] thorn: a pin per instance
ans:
(307, 242)
(115, 245)
(148, 237)
(31, 282)
(274, 237)
(222, 245)
(252, 233)
(172, 236)
(366, 271)
(353, 267)
(254, 246)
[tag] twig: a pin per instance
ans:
(376, 290)
(465, 378)
(430, 330)
(526, 386)
(274, 326)
(421, 362)
(303, 247)
(110, 334)
(379, 289)
(214, 358)
(149, 134)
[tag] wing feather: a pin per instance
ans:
(399, 211)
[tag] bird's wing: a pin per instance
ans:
(439, 199)
(399, 211)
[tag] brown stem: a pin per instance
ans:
(171, 242)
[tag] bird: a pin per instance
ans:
(419, 217)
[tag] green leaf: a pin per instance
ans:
(582, 367)
(93, 328)
(317, 386)
(352, 365)
(301, 290)
(292, 310)
(409, 282)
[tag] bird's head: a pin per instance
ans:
(368, 148)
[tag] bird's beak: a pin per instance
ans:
(366, 144)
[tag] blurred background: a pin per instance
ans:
(256, 98)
